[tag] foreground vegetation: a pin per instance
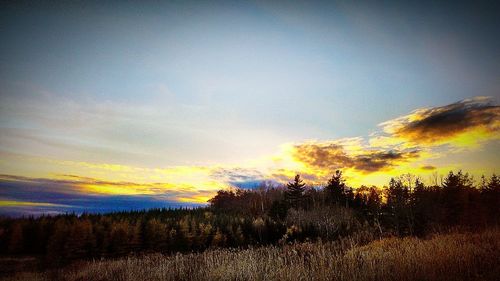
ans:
(456, 256)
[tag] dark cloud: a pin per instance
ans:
(74, 184)
(382, 160)
(333, 156)
(428, 168)
(66, 196)
(439, 124)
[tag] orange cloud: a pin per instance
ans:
(333, 156)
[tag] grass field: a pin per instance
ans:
(457, 256)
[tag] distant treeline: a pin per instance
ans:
(267, 215)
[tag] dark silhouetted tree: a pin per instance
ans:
(456, 191)
(223, 199)
(337, 191)
(397, 205)
(294, 193)
(490, 199)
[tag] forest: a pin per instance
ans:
(265, 216)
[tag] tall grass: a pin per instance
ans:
(458, 256)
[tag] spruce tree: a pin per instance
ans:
(295, 192)
(336, 191)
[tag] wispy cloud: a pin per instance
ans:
(13, 203)
(238, 176)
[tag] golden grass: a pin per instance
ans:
(459, 256)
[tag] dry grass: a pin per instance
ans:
(442, 257)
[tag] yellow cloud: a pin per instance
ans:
(331, 156)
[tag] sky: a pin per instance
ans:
(110, 106)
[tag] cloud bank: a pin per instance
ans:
(25, 195)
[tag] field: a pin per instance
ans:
(455, 256)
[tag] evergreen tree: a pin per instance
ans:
(420, 206)
(336, 190)
(494, 183)
(294, 193)
(456, 190)
(490, 197)
(397, 205)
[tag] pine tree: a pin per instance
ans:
(420, 206)
(398, 198)
(494, 183)
(491, 199)
(336, 191)
(456, 189)
(295, 192)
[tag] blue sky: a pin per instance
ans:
(150, 86)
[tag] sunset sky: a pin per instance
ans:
(109, 107)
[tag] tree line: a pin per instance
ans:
(266, 215)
